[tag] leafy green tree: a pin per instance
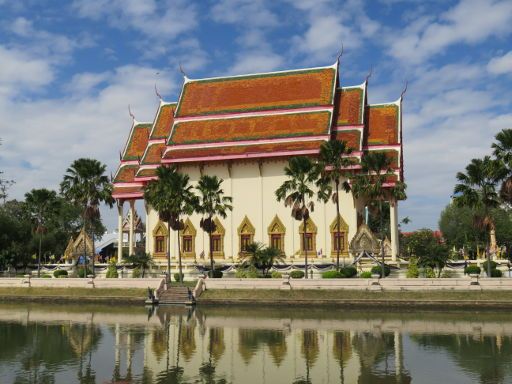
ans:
(41, 205)
(86, 185)
(211, 202)
(334, 162)
(140, 260)
(262, 257)
(430, 251)
(476, 189)
(371, 186)
(297, 191)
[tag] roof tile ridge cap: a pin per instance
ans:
(361, 86)
(334, 66)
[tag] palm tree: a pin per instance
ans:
(477, 189)
(371, 186)
(42, 204)
(140, 260)
(172, 196)
(333, 165)
(86, 185)
(260, 256)
(211, 202)
(503, 152)
(302, 173)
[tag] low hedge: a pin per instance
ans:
(494, 265)
(112, 272)
(60, 272)
(82, 272)
(332, 275)
(348, 272)
(472, 270)
(496, 273)
(276, 275)
(217, 274)
(177, 277)
(365, 275)
(297, 274)
(377, 270)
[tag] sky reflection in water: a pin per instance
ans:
(63, 344)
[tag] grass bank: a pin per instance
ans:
(93, 295)
(441, 299)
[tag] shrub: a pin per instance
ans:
(276, 275)
(496, 273)
(60, 272)
(46, 276)
(494, 265)
(332, 275)
(136, 273)
(377, 270)
(472, 269)
(430, 273)
(247, 273)
(365, 275)
(412, 269)
(112, 271)
(83, 272)
(348, 272)
(297, 274)
(447, 274)
(217, 274)
(177, 277)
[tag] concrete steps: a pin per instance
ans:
(176, 295)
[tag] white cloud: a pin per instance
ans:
(254, 62)
(500, 65)
(468, 22)
(244, 12)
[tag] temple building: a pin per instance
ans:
(244, 129)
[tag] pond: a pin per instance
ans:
(105, 344)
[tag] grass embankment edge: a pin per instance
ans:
(74, 295)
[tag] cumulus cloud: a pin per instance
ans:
(500, 65)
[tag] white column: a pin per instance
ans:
(398, 353)
(146, 208)
(393, 214)
(130, 235)
(120, 231)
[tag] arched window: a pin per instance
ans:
(218, 239)
(160, 239)
(276, 232)
(339, 240)
(310, 243)
(188, 239)
(246, 233)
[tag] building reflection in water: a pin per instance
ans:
(177, 345)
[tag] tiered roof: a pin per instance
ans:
(278, 114)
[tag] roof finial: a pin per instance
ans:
(340, 54)
(130, 112)
(111, 177)
(182, 71)
(405, 90)
(157, 93)
(120, 156)
(369, 74)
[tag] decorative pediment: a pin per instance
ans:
(138, 225)
(364, 240)
(276, 226)
(246, 227)
(189, 229)
(387, 247)
(160, 229)
(310, 226)
(76, 246)
(343, 225)
(219, 228)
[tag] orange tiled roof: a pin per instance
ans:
(126, 173)
(251, 128)
(278, 149)
(153, 154)
(163, 122)
(383, 123)
(349, 104)
(146, 172)
(292, 89)
(392, 154)
(135, 191)
(352, 137)
(137, 142)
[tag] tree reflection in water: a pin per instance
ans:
(252, 340)
(309, 350)
(216, 349)
(342, 351)
(486, 357)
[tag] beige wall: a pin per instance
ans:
(254, 195)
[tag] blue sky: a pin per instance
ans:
(68, 71)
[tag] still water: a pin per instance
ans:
(101, 344)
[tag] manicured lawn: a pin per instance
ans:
(298, 294)
(73, 292)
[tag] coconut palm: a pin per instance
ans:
(334, 163)
(41, 204)
(211, 202)
(302, 174)
(371, 185)
(503, 152)
(86, 185)
(477, 189)
(140, 260)
(172, 196)
(261, 256)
